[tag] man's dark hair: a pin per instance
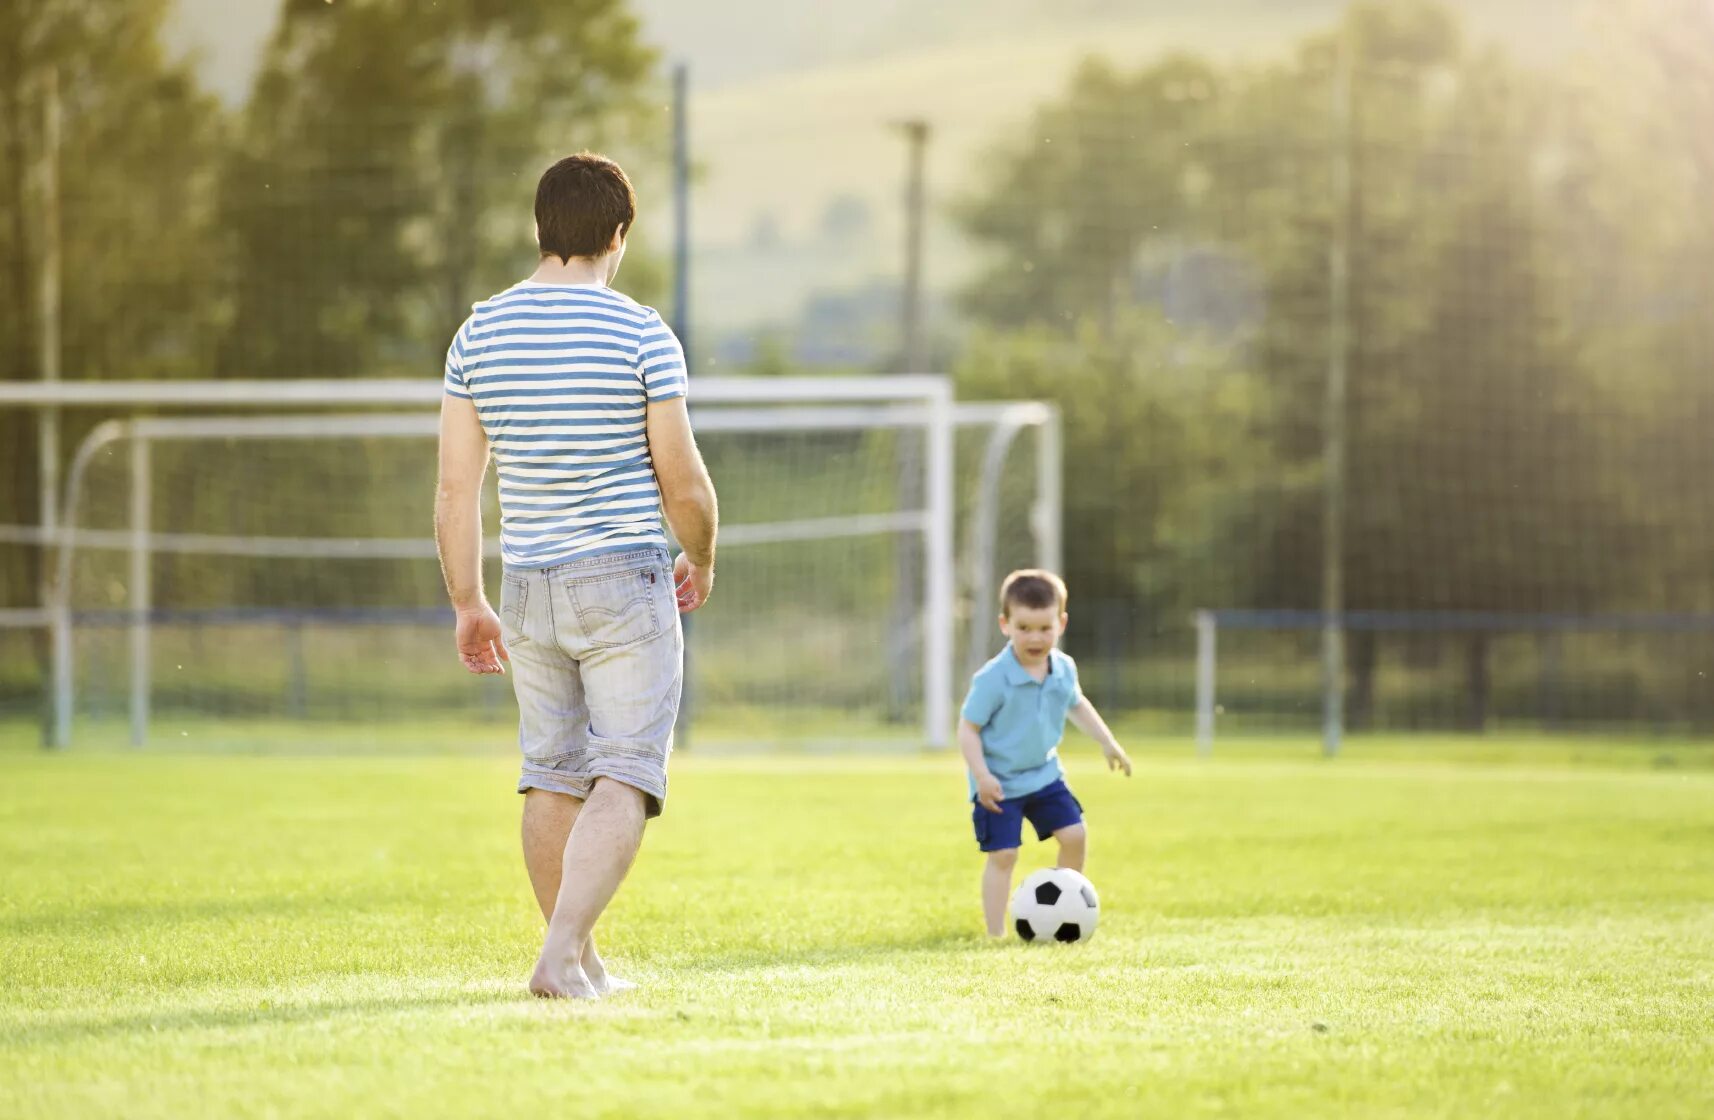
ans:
(579, 202)
(1033, 588)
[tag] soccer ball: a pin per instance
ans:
(1055, 904)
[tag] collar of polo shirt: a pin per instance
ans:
(1017, 674)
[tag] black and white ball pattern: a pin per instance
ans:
(1055, 904)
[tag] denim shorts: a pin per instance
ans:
(1048, 809)
(597, 664)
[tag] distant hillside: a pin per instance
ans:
(801, 174)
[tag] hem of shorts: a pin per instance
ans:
(655, 798)
(529, 781)
(640, 544)
(653, 807)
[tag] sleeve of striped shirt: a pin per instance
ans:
(455, 386)
(660, 359)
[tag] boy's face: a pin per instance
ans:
(1033, 631)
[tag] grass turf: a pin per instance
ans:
(1405, 932)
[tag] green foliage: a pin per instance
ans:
(387, 166)
(1516, 441)
(1164, 451)
(138, 248)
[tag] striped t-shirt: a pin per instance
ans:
(561, 376)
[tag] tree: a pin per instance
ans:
(1165, 457)
(387, 161)
(1483, 473)
(139, 284)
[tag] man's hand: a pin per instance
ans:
(988, 792)
(1117, 759)
(692, 584)
(478, 636)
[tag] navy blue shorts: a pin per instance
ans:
(1049, 809)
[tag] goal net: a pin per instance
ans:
(219, 573)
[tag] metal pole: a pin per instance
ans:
(909, 600)
(938, 618)
(1205, 639)
(681, 322)
(48, 357)
(681, 208)
(1049, 517)
(142, 499)
(1338, 353)
(911, 358)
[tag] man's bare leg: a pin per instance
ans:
(602, 838)
(548, 818)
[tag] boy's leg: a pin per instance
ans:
(1055, 812)
(548, 820)
(1073, 845)
(997, 889)
(999, 835)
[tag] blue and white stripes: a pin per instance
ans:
(561, 377)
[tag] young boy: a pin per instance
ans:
(1012, 723)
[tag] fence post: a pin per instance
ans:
(1205, 636)
(938, 618)
(142, 496)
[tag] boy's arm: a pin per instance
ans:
(988, 792)
(1089, 721)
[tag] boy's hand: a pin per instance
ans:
(1117, 759)
(988, 793)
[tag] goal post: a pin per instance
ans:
(766, 432)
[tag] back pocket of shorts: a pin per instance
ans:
(617, 609)
(514, 598)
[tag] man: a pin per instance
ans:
(579, 393)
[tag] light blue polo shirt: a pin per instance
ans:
(1022, 720)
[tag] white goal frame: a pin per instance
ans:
(718, 404)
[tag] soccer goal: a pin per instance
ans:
(263, 553)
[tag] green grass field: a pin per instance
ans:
(1429, 928)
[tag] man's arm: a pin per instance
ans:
(458, 534)
(687, 498)
(988, 791)
(1089, 721)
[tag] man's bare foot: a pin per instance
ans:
(599, 978)
(611, 985)
(550, 982)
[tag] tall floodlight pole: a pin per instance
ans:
(909, 594)
(681, 208)
(48, 369)
(681, 308)
(1334, 452)
(911, 357)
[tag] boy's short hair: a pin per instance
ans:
(1034, 588)
(579, 202)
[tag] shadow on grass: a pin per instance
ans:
(119, 917)
(824, 955)
(265, 1014)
